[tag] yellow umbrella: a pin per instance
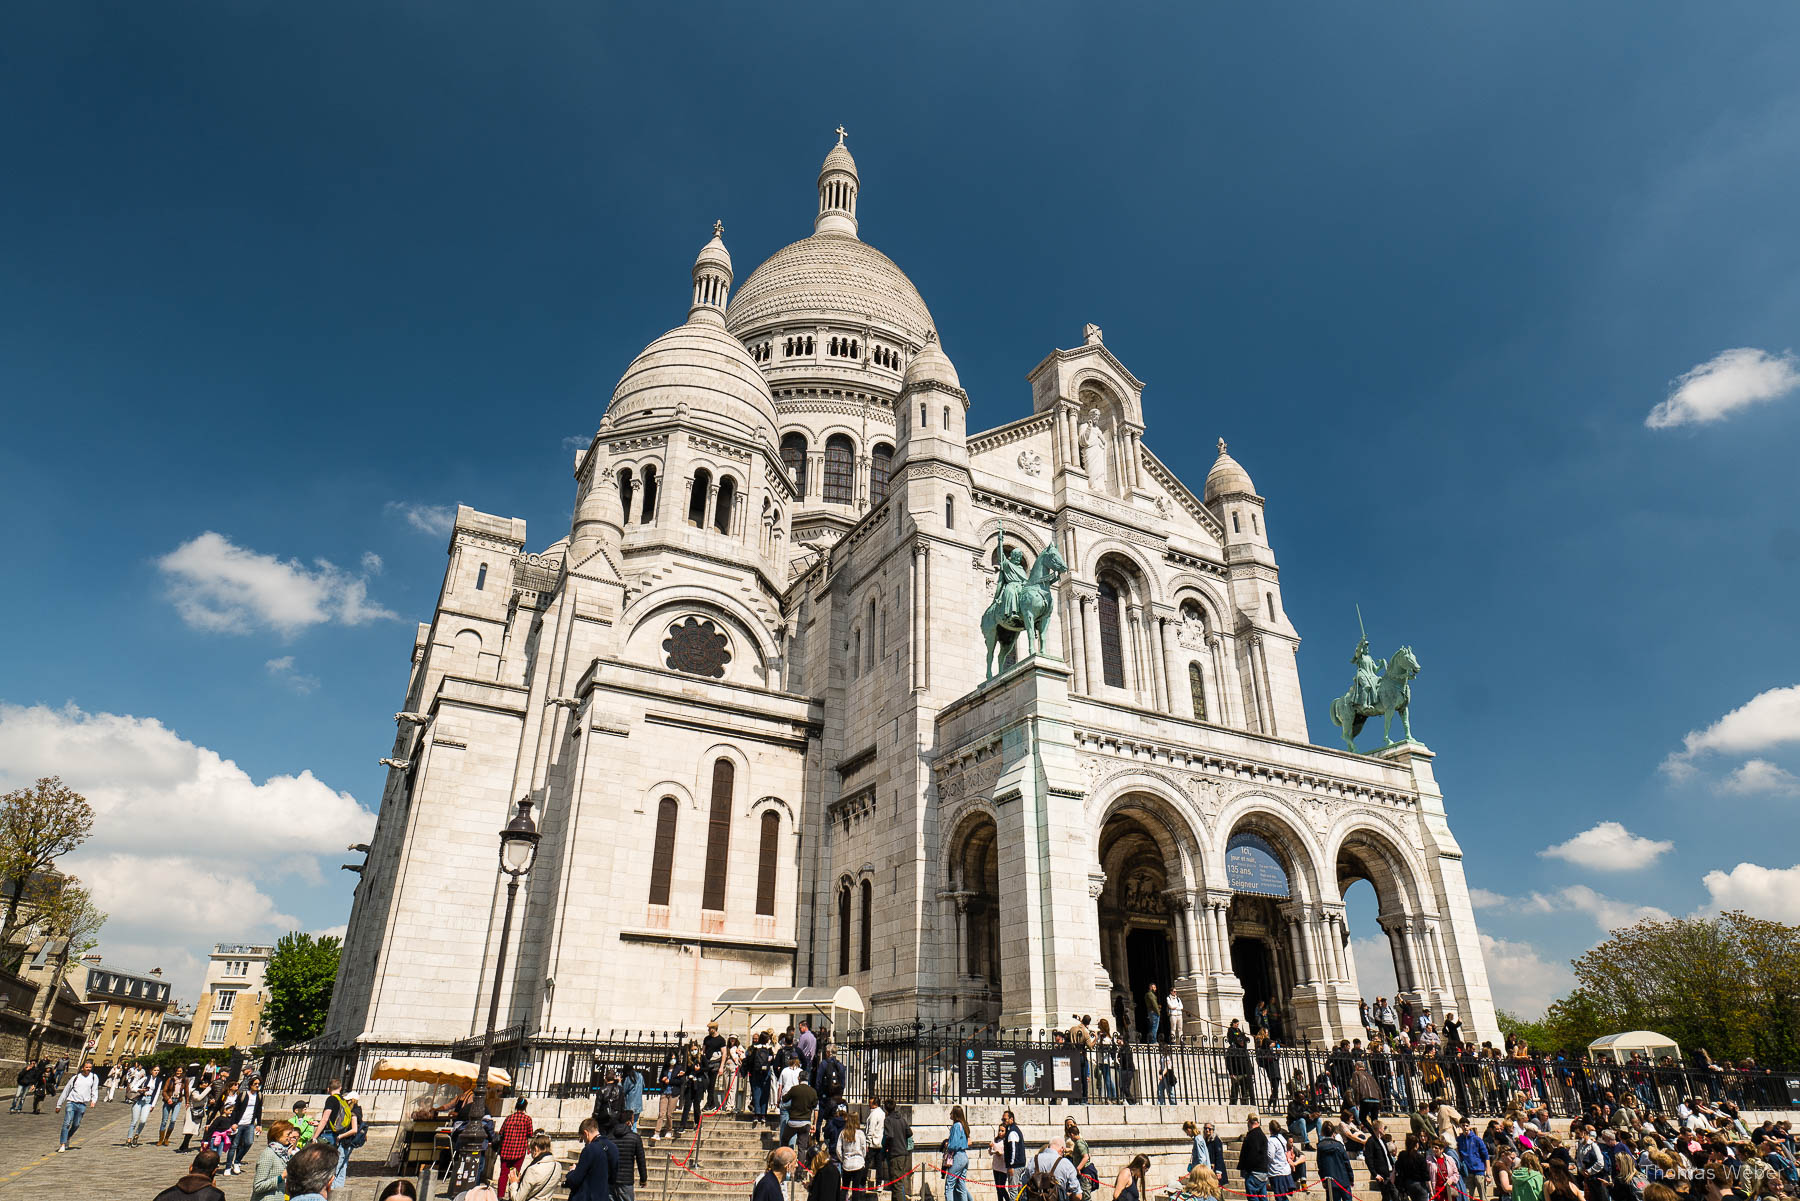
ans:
(427, 1069)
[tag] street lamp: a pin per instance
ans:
(518, 850)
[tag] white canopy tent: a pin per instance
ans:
(755, 1003)
(1617, 1048)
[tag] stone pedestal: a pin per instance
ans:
(1049, 927)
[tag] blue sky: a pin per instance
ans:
(302, 276)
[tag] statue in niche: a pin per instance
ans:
(1093, 452)
(1143, 893)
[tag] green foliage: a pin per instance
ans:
(302, 972)
(37, 825)
(1569, 1025)
(1729, 984)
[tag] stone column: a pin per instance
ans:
(1071, 616)
(815, 474)
(1191, 903)
(1174, 697)
(1090, 642)
(1176, 900)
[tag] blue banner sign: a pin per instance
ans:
(1251, 866)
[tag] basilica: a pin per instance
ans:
(749, 698)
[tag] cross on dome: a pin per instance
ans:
(718, 229)
(1221, 446)
(841, 135)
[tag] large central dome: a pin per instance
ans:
(831, 278)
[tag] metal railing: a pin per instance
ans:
(914, 1064)
(546, 1063)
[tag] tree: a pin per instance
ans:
(301, 975)
(71, 918)
(1729, 984)
(37, 825)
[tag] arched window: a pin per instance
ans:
(923, 423)
(881, 465)
(1235, 527)
(868, 925)
(844, 929)
(1197, 689)
(768, 847)
(793, 457)
(727, 499)
(662, 854)
(1255, 525)
(649, 512)
(697, 499)
(1112, 645)
(946, 416)
(856, 654)
(718, 837)
(840, 461)
(625, 493)
(1269, 600)
(809, 345)
(949, 512)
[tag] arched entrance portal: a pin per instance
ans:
(1261, 952)
(1145, 855)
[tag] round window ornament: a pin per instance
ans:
(696, 646)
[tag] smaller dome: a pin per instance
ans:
(1227, 476)
(700, 366)
(838, 159)
(931, 365)
(714, 254)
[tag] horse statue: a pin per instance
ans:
(1380, 688)
(1021, 602)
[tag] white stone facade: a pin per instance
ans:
(746, 697)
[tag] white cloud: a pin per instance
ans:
(1767, 720)
(336, 932)
(1374, 960)
(282, 670)
(578, 441)
(436, 520)
(1729, 381)
(1759, 775)
(371, 563)
(1482, 898)
(219, 586)
(154, 792)
(1608, 913)
(1608, 847)
(1765, 892)
(187, 848)
(1523, 982)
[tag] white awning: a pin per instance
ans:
(428, 1069)
(790, 1000)
(1620, 1046)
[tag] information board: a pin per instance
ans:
(1012, 1072)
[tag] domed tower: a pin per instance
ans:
(685, 456)
(932, 413)
(832, 323)
(1266, 639)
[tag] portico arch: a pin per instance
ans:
(1149, 858)
(1364, 851)
(1275, 948)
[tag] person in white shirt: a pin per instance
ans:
(876, 1127)
(82, 1090)
(1175, 1007)
(112, 1081)
(1281, 1182)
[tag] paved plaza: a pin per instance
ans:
(100, 1166)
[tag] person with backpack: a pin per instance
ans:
(631, 1157)
(757, 1065)
(1054, 1161)
(337, 1124)
(1082, 1156)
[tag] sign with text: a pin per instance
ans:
(1251, 866)
(1010, 1072)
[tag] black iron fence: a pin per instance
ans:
(545, 1063)
(913, 1064)
(922, 1065)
